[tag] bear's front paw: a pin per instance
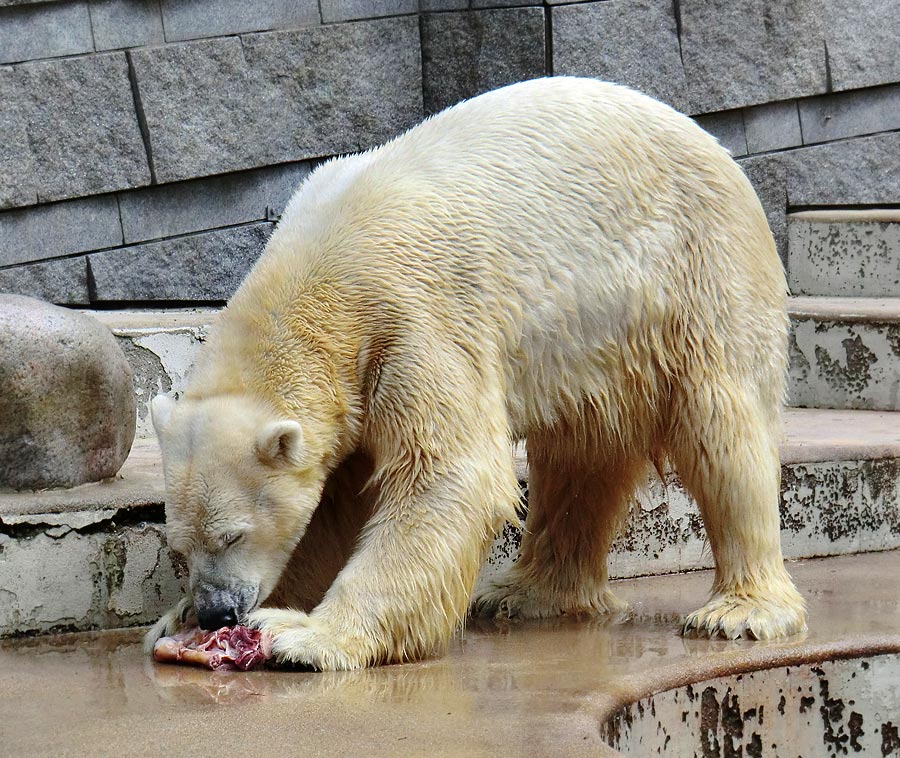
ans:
(748, 617)
(300, 639)
(170, 623)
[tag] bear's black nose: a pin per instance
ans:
(216, 618)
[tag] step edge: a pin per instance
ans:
(847, 215)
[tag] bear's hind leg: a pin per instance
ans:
(725, 448)
(575, 508)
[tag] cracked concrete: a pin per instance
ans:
(161, 347)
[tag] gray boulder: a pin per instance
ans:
(67, 404)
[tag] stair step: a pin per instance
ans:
(844, 253)
(845, 353)
(95, 556)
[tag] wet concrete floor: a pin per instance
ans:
(528, 689)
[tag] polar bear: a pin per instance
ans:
(563, 261)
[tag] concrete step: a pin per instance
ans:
(95, 556)
(845, 353)
(844, 253)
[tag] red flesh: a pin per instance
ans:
(228, 648)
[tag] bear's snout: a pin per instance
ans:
(216, 618)
(217, 606)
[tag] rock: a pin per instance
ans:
(67, 410)
(63, 281)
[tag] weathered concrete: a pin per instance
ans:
(67, 409)
(845, 353)
(537, 688)
(162, 347)
(829, 707)
(844, 253)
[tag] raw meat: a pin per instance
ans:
(231, 647)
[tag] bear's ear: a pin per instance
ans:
(161, 408)
(281, 443)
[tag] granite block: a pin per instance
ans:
(196, 19)
(861, 171)
(126, 23)
(349, 10)
(465, 54)
(850, 114)
(50, 231)
(205, 267)
(773, 126)
(200, 204)
(222, 105)
(632, 42)
(738, 54)
(44, 31)
(728, 128)
(75, 127)
(62, 281)
(768, 175)
(862, 43)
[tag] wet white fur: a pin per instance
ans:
(561, 260)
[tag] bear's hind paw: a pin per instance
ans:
(506, 600)
(740, 617)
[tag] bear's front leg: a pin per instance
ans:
(445, 483)
(169, 623)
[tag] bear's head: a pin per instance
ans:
(241, 488)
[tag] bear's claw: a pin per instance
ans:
(739, 617)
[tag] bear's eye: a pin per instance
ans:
(231, 538)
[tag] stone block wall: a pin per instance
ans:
(148, 146)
